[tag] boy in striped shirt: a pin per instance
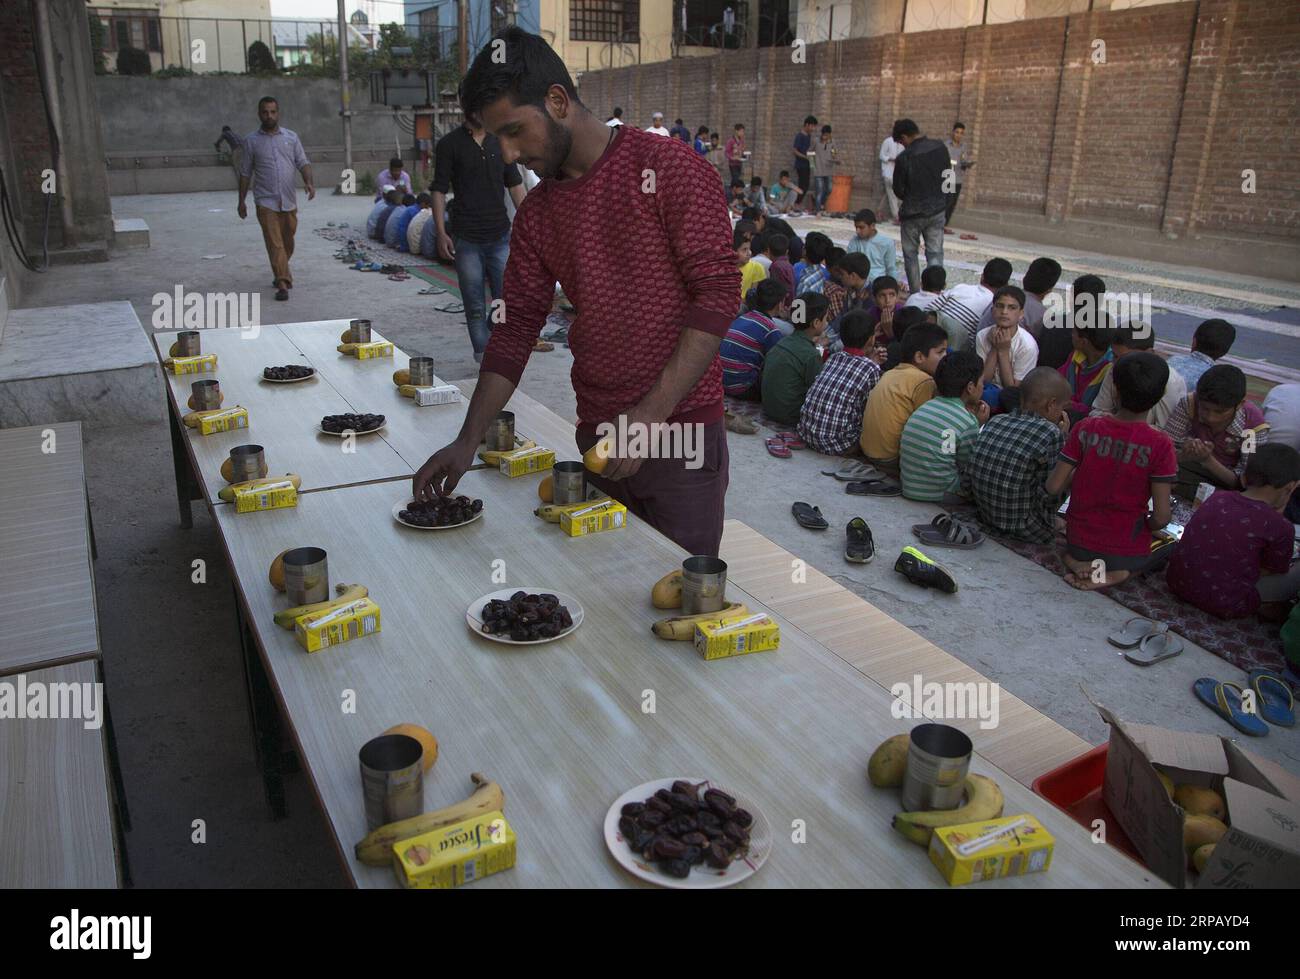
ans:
(749, 340)
(938, 436)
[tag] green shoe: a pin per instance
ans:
(920, 570)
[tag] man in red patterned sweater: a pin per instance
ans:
(635, 229)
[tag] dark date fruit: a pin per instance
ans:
(351, 422)
(717, 857)
(289, 372)
(734, 832)
(641, 839)
(683, 803)
(627, 826)
(694, 839)
(665, 795)
(633, 809)
(693, 855)
(713, 832)
(522, 619)
(687, 788)
(658, 805)
(711, 794)
(667, 848)
(652, 819)
(722, 809)
(708, 817)
(675, 868)
(742, 818)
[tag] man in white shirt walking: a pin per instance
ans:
(889, 151)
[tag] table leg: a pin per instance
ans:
(90, 524)
(264, 716)
(122, 824)
(186, 485)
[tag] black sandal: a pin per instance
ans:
(809, 517)
(945, 530)
(875, 487)
(859, 546)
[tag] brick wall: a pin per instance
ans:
(1155, 137)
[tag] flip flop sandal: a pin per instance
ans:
(450, 308)
(809, 517)
(1134, 631)
(399, 278)
(859, 547)
(432, 291)
(1273, 698)
(879, 487)
(792, 440)
(1155, 647)
(953, 534)
(778, 448)
(543, 346)
(856, 472)
(941, 522)
(970, 237)
(1225, 700)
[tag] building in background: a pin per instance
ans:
(202, 35)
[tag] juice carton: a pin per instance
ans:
(225, 420)
(456, 855)
(268, 496)
(736, 636)
(521, 462)
(200, 364)
(593, 517)
(324, 629)
(1021, 846)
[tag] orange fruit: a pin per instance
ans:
(546, 489)
(597, 457)
(427, 741)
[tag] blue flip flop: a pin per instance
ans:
(1274, 698)
(1225, 700)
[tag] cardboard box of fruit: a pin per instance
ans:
(1185, 798)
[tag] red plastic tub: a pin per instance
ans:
(1076, 788)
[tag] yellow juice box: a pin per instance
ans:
(373, 349)
(737, 635)
(521, 462)
(456, 855)
(1022, 846)
(592, 517)
(340, 625)
(268, 496)
(224, 421)
(201, 364)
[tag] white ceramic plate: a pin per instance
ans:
(293, 380)
(702, 876)
(339, 435)
(474, 618)
(399, 507)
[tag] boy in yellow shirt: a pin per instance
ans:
(751, 272)
(899, 393)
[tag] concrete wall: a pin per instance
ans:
(158, 133)
(1141, 153)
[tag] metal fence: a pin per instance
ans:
(219, 44)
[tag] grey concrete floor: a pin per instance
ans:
(171, 649)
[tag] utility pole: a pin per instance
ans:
(345, 93)
(462, 18)
(751, 24)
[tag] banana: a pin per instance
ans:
(346, 593)
(983, 801)
(227, 493)
(682, 627)
(346, 348)
(550, 512)
(493, 458)
(376, 850)
(402, 377)
(667, 591)
(885, 769)
(193, 419)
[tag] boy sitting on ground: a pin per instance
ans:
(416, 228)
(1088, 366)
(933, 280)
(779, 267)
(1013, 456)
(1211, 341)
(794, 363)
(395, 230)
(1111, 465)
(900, 392)
(784, 195)
(831, 419)
(884, 294)
(1210, 428)
(850, 290)
(810, 274)
(1008, 352)
(749, 340)
(878, 248)
(739, 201)
(1132, 338)
(1234, 557)
(751, 272)
(755, 196)
(938, 436)
(379, 213)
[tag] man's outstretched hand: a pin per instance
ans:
(442, 471)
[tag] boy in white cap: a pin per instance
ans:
(657, 125)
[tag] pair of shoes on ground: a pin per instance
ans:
(781, 443)
(1271, 699)
(739, 423)
(1145, 641)
(860, 548)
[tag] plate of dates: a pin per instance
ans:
(354, 423)
(440, 513)
(288, 374)
(524, 616)
(687, 833)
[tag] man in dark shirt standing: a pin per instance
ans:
(803, 142)
(468, 162)
(919, 175)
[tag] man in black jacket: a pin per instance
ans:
(919, 180)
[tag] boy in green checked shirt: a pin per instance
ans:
(938, 436)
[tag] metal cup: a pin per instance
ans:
(570, 482)
(207, 395)
(360, 330)
(421, 369)
(704, 584)
(392, 778)
(938, 758)
(247, 462)
(306, 576)
(501, 432)
(188, 343)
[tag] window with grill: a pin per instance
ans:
(604, 20)
(144, 33)
(429, 21)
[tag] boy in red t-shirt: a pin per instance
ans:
(1235, 554)
(1117, 463)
